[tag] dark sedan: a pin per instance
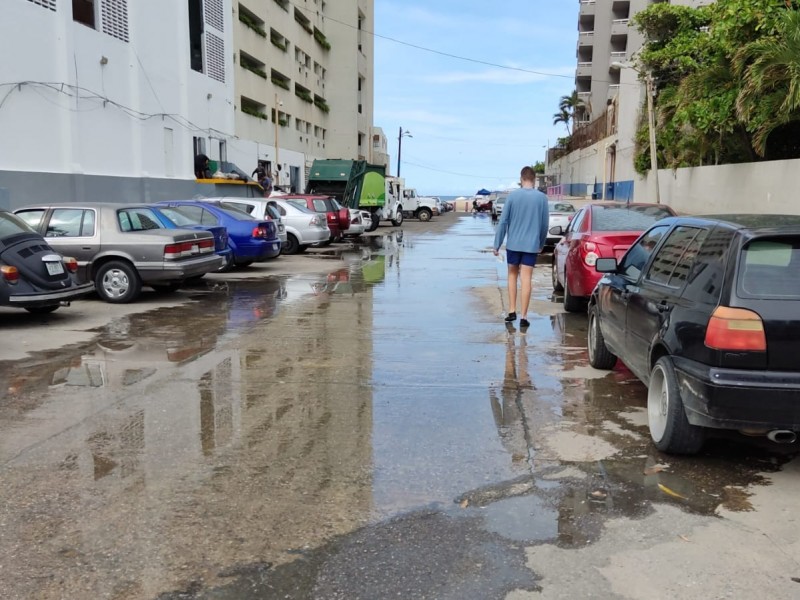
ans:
(32, 275)
(706, 312)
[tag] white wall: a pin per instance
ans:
(764, 187)
(45, 129)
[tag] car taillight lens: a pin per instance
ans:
(735, 329)
(261, 232)
(314, 221)
(206, 246)
(71, 264)
(10, 274)
(590, 255)
(179, 250)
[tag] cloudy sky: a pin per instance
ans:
(473, 124)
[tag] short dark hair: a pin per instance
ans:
(527, 174)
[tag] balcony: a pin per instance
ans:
(586, 38)
(619, 56)
(619, 27)
(584, 69)
(588, 7)
(613, 90)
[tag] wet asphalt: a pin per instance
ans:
(373, 432)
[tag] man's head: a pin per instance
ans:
(527, 175)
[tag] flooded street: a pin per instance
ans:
(372, 430)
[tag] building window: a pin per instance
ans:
(196, 34)
(83, 11)
(199, 145)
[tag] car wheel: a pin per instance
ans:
(292, 245)
(669, 428)
(557, 287)
(398, 219)
(324, 243)
(117, 282)
(571, 303)
(424, 214)
(302, 248)
(166, 288)
(600, 357)
(42, 310)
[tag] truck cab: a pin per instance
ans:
(419, 207)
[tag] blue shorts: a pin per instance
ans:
(521, 258)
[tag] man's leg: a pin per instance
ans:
(513, 275)
(526, 275)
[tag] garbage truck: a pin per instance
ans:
(358, 184)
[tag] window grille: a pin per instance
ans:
(114, 18)
(215, 56)
(51, 4)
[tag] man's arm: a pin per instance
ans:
(545, 221)
(502, 227)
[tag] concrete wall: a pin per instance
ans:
(764, 187)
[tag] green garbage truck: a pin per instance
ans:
(358, 184)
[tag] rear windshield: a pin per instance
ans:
(11, 225)
(770, 267)
(235, 212)
(177, 217)
(300, 205)
(626, 218)
(560, 207)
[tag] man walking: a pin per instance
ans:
(525, 219)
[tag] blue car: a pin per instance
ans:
(174, 218)
(250, 239)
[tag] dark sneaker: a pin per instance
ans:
(511, 317)
(524, 323)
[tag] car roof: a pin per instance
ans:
(608, 204)
(756, 224)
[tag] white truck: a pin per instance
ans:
(419, 207)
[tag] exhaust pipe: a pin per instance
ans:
(782, 436)
(65, 303)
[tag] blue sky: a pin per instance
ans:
(473, 125)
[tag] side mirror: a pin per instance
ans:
(606, 265)
(557, 230)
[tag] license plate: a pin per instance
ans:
(55, 268)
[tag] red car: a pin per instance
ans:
(338, 216)
(598, 230)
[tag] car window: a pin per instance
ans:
(770, 267)
(65, 222)
(676, 257)
(87, 229)
(11, 224)
(279, 208)
(301, 206)
(195, 213)
(273, 212)
(136, 219)
(245, 208)
(560, 207)
(577, 222)
(626, 218)
(634, 261)
(177, 217)
(32, 217)
(233, 213)
(320, 206)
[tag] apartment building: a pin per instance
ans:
(303, 83)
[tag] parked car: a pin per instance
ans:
(172, 217)
(561, 213)
(706, 312)
(258, 208)
(499, 204)
(360, 222)
(303, 226)
(32, 275)
(599, 230)
(337, 216)
(250, 239)
(122, 247)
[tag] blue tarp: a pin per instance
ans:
(483, 192)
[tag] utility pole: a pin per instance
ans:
(277, 151)
(651, 121)
(400, 137)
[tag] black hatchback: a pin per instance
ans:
(706, 312)
(32, 275)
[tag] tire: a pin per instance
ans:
(398, 220)
(424, 214)
(557, 287)
(165, 288)
(302, 248)
(600, 357)
(42, 310)
(324, 243)
(670, 430)
(117, 282)
(375, 222)
(292, 245)
(571, 303)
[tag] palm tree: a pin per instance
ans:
(770, 68)
(563, 116)
(567, 107)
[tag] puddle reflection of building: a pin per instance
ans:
(507, 409)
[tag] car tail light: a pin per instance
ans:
(261, 232)
(71, 264)
(735, 329)
(589, 253)
(314, 221)
(181, 249)
(333, 217)
(206, 246)
(10, 274)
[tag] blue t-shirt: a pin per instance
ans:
(525, 221)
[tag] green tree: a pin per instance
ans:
(567, 107)
(538, 167)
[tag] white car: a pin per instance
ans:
(499, 203)
(303, 227)
(561, 213)
(360, 222)
(259, 208)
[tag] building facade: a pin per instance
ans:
(113, 99)
(612, 96)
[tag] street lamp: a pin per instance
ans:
(400, 147)
(651, 121)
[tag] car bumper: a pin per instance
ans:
(178, 271)
(50, 297)
(738, 399)
(553, 240)
(583, 281)
(316, 235)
